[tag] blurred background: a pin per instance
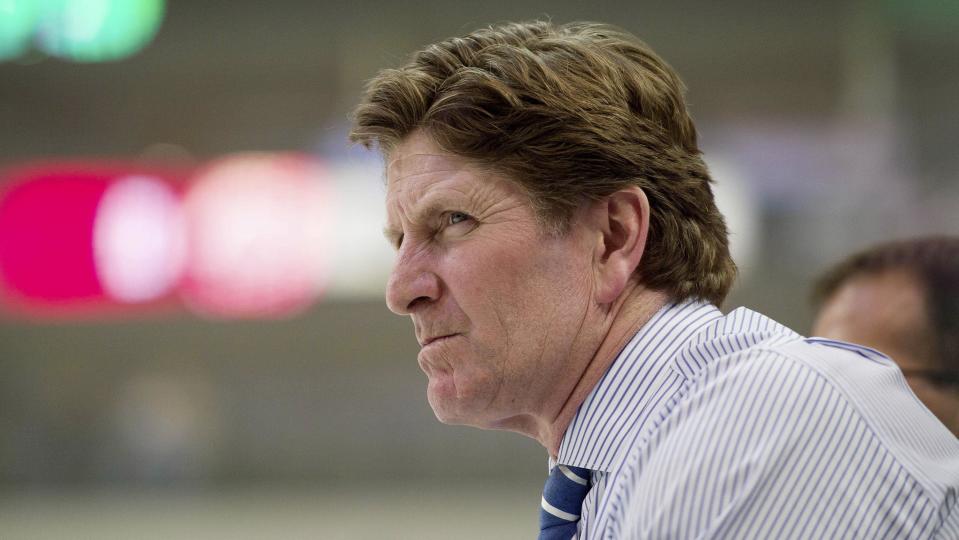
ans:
(193, 342)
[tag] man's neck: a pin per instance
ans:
(624, 319)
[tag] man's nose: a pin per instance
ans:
(412, 284)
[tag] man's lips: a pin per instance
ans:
(427, 341)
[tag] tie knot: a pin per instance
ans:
(563, 497)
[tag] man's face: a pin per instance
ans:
(496, 303)
(887, 312)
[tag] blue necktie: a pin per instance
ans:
(563, 497)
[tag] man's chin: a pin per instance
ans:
(442, 398)
(451, 417)
(449, 407)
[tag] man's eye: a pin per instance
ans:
(457, 217)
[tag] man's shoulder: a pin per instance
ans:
(755, 385)
(768, 438)
(875, 389)
(785, 390)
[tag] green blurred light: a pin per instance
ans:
(98, 30)
(18, 20)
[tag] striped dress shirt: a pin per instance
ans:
(713, 426)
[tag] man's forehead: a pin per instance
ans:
(882, 302)
(404, 165)
(418, 170)
(883, 310)
(417, 167)
(418, 154)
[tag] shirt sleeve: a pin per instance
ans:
(763, 446)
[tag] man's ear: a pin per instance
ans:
(623, 223)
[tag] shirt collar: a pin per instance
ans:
(625, 394)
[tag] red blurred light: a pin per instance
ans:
(46, 236)
(250, 238)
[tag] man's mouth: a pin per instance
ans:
(435, 339)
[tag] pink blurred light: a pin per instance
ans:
(257, 226)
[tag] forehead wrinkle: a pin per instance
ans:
(414, 182)
(417, 191)
(422, 163)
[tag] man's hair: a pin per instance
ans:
(572, 113)
(933, 262)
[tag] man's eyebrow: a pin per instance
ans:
(392, 236)
(433, 204)
(430, 206)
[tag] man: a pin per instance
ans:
(562, 259)
(901, 298)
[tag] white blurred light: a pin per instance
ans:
(139, 239)
(362, 258)
(258, 236)
(740, 207)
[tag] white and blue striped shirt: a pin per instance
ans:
(713, 426)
